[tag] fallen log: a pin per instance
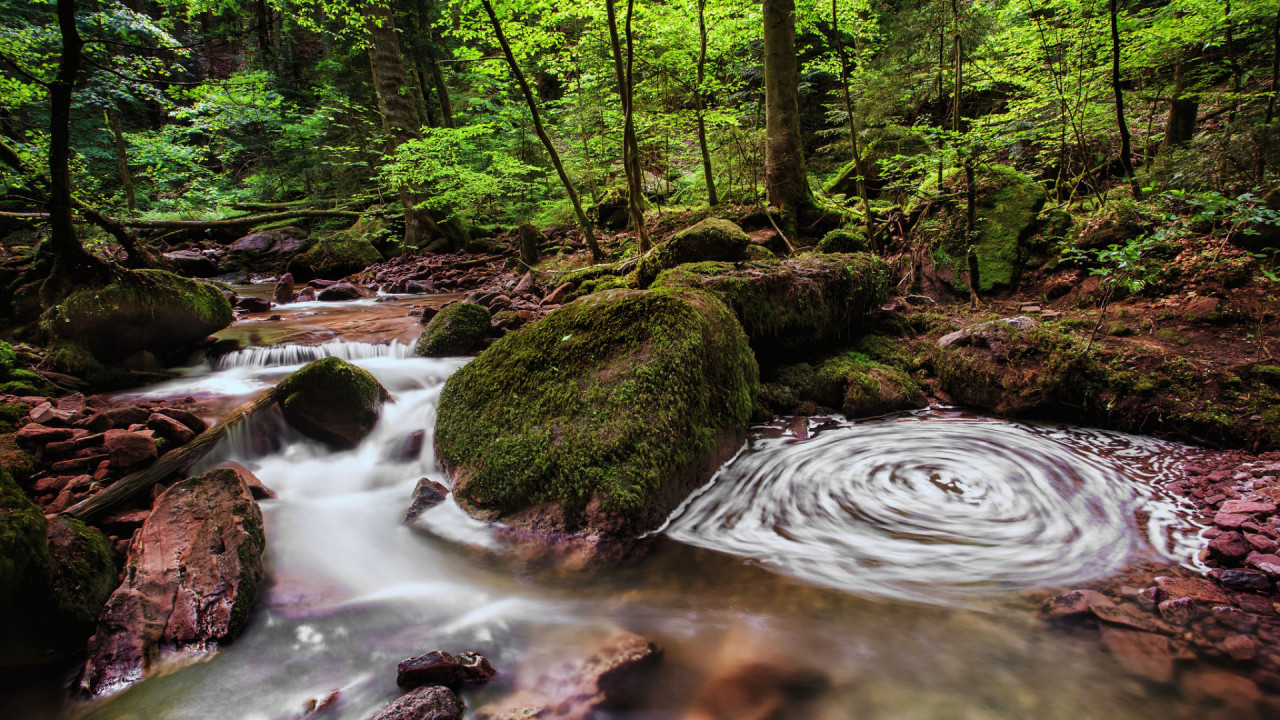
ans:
(244, 221)
(178, 460)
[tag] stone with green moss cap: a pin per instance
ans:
(138, 311)
(711, 239)
(601, 418)
(843, 240)
(458, 329)
(334, 256)
(84, 570)
(794, 304)
(333, 401)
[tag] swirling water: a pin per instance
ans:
(941, 506)
(887, 554)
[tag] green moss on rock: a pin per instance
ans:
(603, 416)
(139, 311)
(24, 556)
(850, 382)
(842, 240)
(457, 329)
(335, 256)
(711, 239)
(332, 401)
(794, 304)
(84, 569)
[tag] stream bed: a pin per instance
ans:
(894, 557)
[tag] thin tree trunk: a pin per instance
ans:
(630, 145)
(1271, 99)
(542, 133)
(1126, 159)
(712, 198)
(868, 220)
(785, 180)
(1232, 62)
(970, 191)
(1183, 111)
(62, 232)
(122, 160)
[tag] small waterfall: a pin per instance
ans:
(287, 355)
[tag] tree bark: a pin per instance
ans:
(1183, 111)
(1126, 159)
(399, 119)
(630, 145)
(64, 243)
(786, 183)
(122, 160)
(699, 108)
(542, 133)
(868, 220)
(970, 190)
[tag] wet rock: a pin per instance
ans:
(1242, 579)
(126, 415)
(1182, 611)
(318, 705)
(610, 677)
(192, 263)
(332, 401)
(1247, 507)
(250, 304)
(1229, 547)
(1125, 615)
(339, 292)
(266, 251)
(427, 494)
(409, 447)
(441, 668)
(425, 703)
(1075, 604)
(34, 435)
(169, 429)
(1241, 648)
(283, 292)
(1269, 564)
(1231, 689)
(557, 296)
(590, 365)
(1197, 589)
(458, 329)
(129, 449)
(1144, 654)
(192, 575)
(757, 690)
(84, 570)
(186, 417)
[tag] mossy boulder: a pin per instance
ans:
(602, 417)
(886, 158)
(711, 239)
(795, 304)
(332, 401)
(850, 382)
(458, 329)
(139, 311)
(15, 380)
(335, 256)
(842, 240)
(83, 570)
(1006, 208)
(24, 557)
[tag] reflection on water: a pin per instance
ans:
(801, 556)
(937, 507)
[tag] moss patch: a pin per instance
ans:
(843, 241)
(794, 304)
(850, 382)
(332, 401)
(139, 311)
(711, 239)
(611, 410)
(84, 569)
(335, 256)
(458, 329)
(24, 556)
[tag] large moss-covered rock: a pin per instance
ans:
(843, 240)
(458, 329)
(332, 401)
(793, 304)
(850, 382)
(15, 380)
(335, 256)
(84, 569)
(24, 557)
(601, 418)
(711, 239)
(1007, 203)
(139, 311)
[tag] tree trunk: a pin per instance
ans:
(64, 243)
(785, 180)
(1271, 99)
(122, 160)
(542, 133)
(399, 119)
(1126, 159)
(1183, 111)
(970, 191)
(528, 237)
(868, 221)
(712, 198)
(630, 146)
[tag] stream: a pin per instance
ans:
(894, 555)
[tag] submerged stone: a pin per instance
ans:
(600, 418)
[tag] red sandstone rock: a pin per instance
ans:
(169, 429)
(425, 703)
(192, 574)
(128, 449)
(1144, 654)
